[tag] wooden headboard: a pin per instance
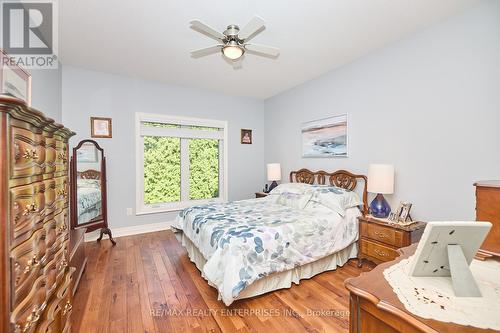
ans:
(89, 174)
(340, 178)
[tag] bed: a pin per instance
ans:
(251, 247)
(89, 205)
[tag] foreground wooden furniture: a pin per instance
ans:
(374, 307)
(488, 209)
(35, 293)
(77, 257)
(379, 241)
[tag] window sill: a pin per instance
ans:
(158, 211)
(174, 208)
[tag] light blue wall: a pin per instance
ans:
(46, 89)
(429, 104)
(87, 93)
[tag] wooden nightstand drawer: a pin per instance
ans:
(386, 235)
(379, 240)
(377, 251)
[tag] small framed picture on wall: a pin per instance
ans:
(100, 127)
(246, 136)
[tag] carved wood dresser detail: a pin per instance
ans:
(35, 275)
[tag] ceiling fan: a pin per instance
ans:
(233, 42)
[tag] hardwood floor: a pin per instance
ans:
(146, 283)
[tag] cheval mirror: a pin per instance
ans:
(88, 189)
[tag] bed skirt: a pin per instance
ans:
(278, 280)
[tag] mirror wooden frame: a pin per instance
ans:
(101, 224)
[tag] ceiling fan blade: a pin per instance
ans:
(206, 51)
(253, 27)
(263, 49)
(206, 30)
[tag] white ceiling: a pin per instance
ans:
(151, 39)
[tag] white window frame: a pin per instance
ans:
(140, 117)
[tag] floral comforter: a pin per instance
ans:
(88, 197)
(244, 241)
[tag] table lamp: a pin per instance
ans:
(273, 174)
(380, 181)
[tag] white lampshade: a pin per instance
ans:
(273, 172)
(381, 178)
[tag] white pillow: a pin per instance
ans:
(271, 198)
(316, 207)
(294, 200)
(89, 183)
(336, 198)
(298, 188)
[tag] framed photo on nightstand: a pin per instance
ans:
(402, 214)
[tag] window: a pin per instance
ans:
(180, 162)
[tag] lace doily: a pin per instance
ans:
(433, 297)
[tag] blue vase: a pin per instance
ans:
(379, 207)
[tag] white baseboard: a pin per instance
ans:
(129, 231)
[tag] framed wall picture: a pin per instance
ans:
(325, 137)
(14, 81)
(101, 127)
(246, 136)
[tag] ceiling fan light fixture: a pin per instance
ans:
(233, 42)
(232, 50)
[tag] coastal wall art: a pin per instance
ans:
(325, 137)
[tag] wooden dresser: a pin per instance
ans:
(379, 241)
(374, 307)
(35, 293)
(488, 209)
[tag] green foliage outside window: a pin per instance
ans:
(204, 169)
(162, 167)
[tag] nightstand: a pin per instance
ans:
(379, 240)
(261, 194)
